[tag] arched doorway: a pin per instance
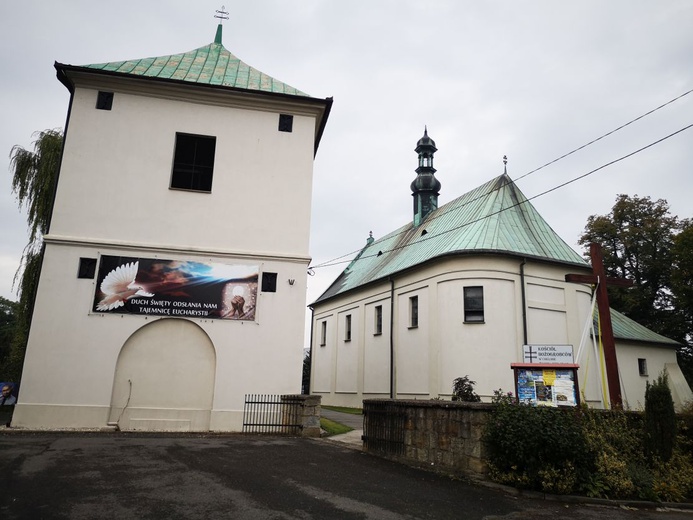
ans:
(164, 378)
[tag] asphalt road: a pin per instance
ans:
(77, 475)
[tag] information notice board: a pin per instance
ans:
(546, 385)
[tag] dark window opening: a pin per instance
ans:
(87, 268)
(269, 282)
(642, 366)
(474, 304)
(323, 334)
(378, 319)
(286, 123)
(104, 100)
(347, 328)
(413, 312)
(193, 162)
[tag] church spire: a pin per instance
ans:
(425, 188)
(222, 15)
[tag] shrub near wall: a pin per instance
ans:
(582, 451)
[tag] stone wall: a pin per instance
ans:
(441, 435)
(307, 414)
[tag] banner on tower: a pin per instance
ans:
(178, 289)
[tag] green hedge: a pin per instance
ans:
(578, 450)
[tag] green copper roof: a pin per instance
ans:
(629, 330)
(494, 218)
(211, 64)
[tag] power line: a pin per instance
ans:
(575, 179)
(334, 261)
(605, 135)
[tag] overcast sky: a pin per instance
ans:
(528, 79)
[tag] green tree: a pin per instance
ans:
(636, 238)
(682, 291)
(660, 420)
(34, 178)
(642, 241)
(8, 320)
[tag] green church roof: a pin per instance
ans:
(629, 330)
(493, 218)
(212, 64)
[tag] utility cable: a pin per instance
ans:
(443, 213)
(575, 179)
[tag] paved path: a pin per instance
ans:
(205, 476)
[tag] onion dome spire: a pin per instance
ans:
(425, 188)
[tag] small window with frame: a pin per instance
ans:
(323, 333)
(193, 162)
(378, 316)
(474, 304)
(413, 312)
(642, 366)
(347, 327)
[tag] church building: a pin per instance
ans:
(474, 288)
(174, 276)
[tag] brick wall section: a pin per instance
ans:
(441, 435)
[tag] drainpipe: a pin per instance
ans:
(392, 339)
(310, 348)
(524, 300)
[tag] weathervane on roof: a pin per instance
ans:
(505, 164)
(221, 14)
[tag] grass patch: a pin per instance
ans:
(344, 409)
(333, 428)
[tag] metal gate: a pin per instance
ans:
(383, 427)
(275, 414)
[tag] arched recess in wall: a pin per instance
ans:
(164, 378)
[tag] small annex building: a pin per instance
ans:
(462, 290)
(174, 277)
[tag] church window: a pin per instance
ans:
(323, 334)
(286, 123)
(474, 304)
(347, 327)
(269, 282)
(104, 100)
(87, 268)
(378, 320)
(413, 312)
(193, 162)
(642, 366)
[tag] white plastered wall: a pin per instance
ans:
(443, 347)
(113, 198)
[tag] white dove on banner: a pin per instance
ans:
(119, 286)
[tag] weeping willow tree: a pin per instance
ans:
(34, 177)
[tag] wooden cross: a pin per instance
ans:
(599, 278)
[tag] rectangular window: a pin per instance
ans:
(323, 334)
(87, 268)
(413, 312)
(378, 320)
(193, 162)
(347, 327)
(286, 123)
(104, 100)
(474, 304)
(269, 282)
(642, 366)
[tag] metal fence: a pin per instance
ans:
(274, 414)
(383, 427)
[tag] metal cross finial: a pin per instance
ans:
(221, 14)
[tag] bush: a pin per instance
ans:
(660, 420)
(537, 447)
(463, 390)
